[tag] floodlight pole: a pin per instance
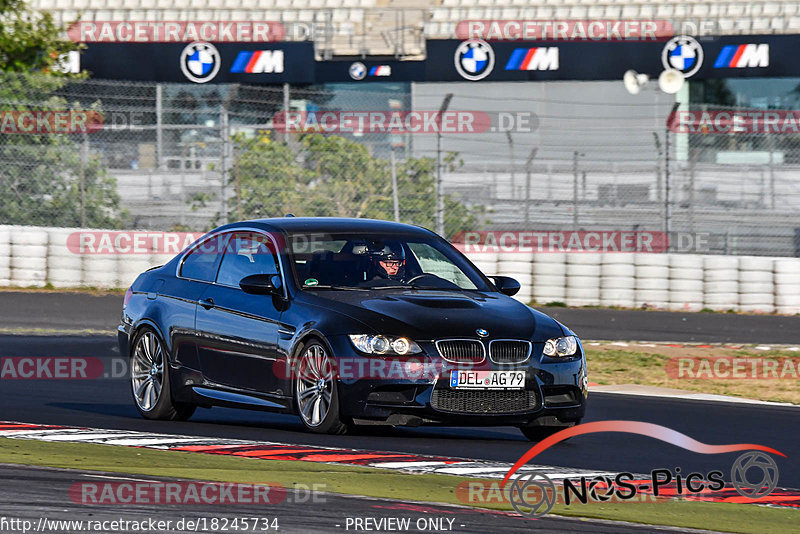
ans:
(439, 188)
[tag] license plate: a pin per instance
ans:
(487, 379)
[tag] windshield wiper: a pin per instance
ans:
(345, 288)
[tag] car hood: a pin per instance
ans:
(432, 314)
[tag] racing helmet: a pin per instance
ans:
(387, 257)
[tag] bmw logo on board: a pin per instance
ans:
(682, 53)
(358, 70)
(474, 59)
(200, 61)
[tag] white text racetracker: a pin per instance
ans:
(400, 524)
(487, 379)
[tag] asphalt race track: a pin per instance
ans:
(106, 403)
(80, 311)
(34, 493)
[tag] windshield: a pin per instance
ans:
(374, 261)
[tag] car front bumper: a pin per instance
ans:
(554, 393)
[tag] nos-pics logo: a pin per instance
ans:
(200, 61)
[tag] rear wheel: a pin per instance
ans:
(316, 392)
(539, 432)
(150, 380)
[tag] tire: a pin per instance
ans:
(686, 261)
(582, 269)
(721, 275)
(618, 270)
(316, 354)
(679, 286)
(584, 258)
(764, 277)
(548, 280)
(756, 299)
(726, 300)
(787, 268)
(618, 297)
(787, 300)
(538, 432)
(652, 284)
(583, 294)
(643, 259)
(582, 282)
(148, 348)
(651, 297)
(508, 266)
(549, 269)
(685, 273)
(489, 268)
(613, 282)
(550, 257)
(57, 263)
(617, 258)
(660, 272)
(28, 237)
(721, 287)
(756, 263)
(685, 306)
(756, 287)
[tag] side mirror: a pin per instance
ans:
(506, 285)
(262, 284)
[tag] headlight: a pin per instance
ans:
(378, 344)
(563, 346)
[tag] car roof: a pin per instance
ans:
(333, 225)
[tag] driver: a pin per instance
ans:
(389, 263)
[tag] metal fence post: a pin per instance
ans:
(286, 110)
(224, 134)
(575, 190)
(395, 198)
(159, 127)
(439, 187)
(528, 165)
(511, 156)
(82, 178)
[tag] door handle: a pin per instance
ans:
(207, 303)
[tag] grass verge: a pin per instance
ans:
(645, 364)
(374, 482)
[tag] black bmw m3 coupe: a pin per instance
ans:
(346, 321)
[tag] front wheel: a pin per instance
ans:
(150, 380)
(316, 391)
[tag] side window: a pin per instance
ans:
(201, 263)
(247, 253)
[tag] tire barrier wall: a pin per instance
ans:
(36, 257)
(677, 282)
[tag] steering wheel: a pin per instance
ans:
(415, 278)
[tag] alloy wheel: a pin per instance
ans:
(314, 388)
(147, 371)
